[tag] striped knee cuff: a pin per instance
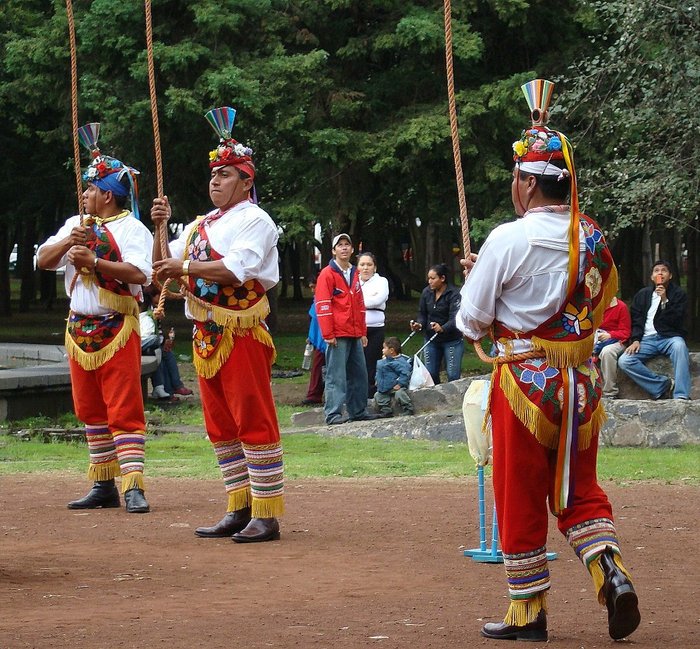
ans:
(527, 573)
(131, 453)
(265, 468)
(234, 471)
(103, 454)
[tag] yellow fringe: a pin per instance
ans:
(532, 417)
(132, 480)
(239, 499)
(523, 611)
(244, 319)
(125, 304)
(268, 507)
(546, 432)
(208, 367)
(104, 471)
(93, 360)
(598, 576)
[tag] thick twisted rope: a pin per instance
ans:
(74, 118)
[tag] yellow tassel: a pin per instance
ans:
(268, 507)
(523, 611)
(103, 471)
(527, 412)
(243, 319)
(587, 431)
(564, 354)
(132, 480)
(598, 576)
(262, 335)
(125, 304)
(90, 361)
(238, 499)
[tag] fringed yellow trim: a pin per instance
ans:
(244, 319)
(564, 354)
(609, 292)
(598, 575)
(239, 499)
(133, 480)
(268, 507)
(125, 304)
(103, 471)
(523, 611)
(90, 361)
(532, 417)
(208, 367)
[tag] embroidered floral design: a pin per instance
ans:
(198, 249)
(592, 234)
(94, 334)
(575, 321)
(594, 281)
(241, 297)
(536, 372)
(206, 337)
(204, 287)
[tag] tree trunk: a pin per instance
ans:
(5, 301)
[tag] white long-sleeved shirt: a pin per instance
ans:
(520, 277)
(246, 237)
(135, 244)
(375, 292)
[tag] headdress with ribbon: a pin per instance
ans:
(536, 150)
(106, 172)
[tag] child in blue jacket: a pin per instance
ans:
(393, 375)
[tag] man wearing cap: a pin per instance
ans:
(340, 309)
(229, 259)
(658, 329)
(111, 254)
(540, 286)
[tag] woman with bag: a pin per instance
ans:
(437, 309)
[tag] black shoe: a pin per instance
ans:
(336, 421)
(532, 632)
(104, 493)
(620, 598)
(230, 524)
(386, 415)
(366, 416)
(258, 530)
(136, 501)
(311, 402)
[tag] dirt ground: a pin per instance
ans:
(361, 563)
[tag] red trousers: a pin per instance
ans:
(523, 479)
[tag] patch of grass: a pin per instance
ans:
(314, 456)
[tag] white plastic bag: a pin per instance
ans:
(420, 377)
(473, 411)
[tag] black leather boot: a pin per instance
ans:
(532, 632)
(136, 502)
(104, 493)
(258, 530)
(620, 598)
(230, 524)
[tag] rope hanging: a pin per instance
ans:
(463, 217)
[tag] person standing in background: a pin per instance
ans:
(437, 310)
(314, 394)
(375, 292)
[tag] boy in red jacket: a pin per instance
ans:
(341, 316)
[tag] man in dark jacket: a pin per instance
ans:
(341, 315)
(658, 316)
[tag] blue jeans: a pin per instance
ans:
(346, 379)
(452, 351)
(656, 384)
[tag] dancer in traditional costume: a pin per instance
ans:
(539, 287)
(111, 254)
(229, 258)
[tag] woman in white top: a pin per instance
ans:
(375, 291)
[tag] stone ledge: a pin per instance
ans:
(631, 422)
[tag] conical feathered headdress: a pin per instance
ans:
(229, 152)
(106, 172)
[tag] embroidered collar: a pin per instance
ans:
(115, 217)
